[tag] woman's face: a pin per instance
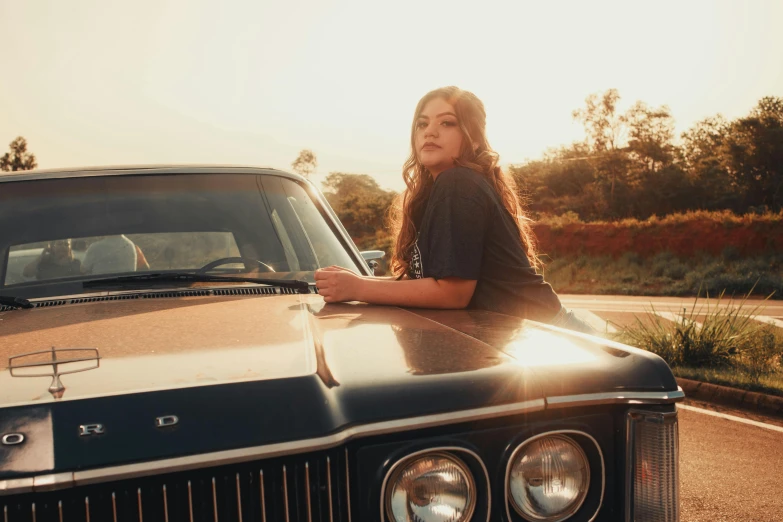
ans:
(61, 250)
(437, 136)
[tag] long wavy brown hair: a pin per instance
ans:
(475, 154)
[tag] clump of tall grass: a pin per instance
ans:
(728, 337)
(762, 355)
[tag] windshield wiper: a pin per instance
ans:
(17, 302)
(189, 277)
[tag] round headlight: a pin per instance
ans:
(435, 487)
(549, 478)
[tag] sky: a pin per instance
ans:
(99, 82)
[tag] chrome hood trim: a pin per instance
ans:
(79, 478)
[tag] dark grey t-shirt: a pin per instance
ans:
(466, 232)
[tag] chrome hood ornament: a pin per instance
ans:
(76, 359)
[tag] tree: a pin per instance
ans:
(631, 153)
(650, 134)
(704, 154)
(754, 154)
(18, 158)
(606, 133)
(738, 164)
(562, 181)
(362, 206)
(305, 164)
(605, 128)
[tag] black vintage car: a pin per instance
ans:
(164, 356)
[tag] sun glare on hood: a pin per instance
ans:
(534, 347)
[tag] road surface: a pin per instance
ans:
(605, 312)
(730, 471)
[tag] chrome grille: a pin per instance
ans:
(301, 488)
(653, 467)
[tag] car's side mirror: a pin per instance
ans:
(372, 257)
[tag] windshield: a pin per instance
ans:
(56, 234)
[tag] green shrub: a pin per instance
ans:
(631, 258)
(730, 253)
(762, 354)
(676, 271)
(654, 336)
(667, 265)
(728, 337)
(558, 222)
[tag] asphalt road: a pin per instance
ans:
(605, 311)
(729, 471)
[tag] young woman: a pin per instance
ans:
(462, 240)
(56, 261)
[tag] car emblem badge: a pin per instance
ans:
(73, 360)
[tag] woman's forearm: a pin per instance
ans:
(420, 293)
(389, 278)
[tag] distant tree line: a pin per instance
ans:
(631, 166)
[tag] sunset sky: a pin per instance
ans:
(253, 82)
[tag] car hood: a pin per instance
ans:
(154, 344)
(251, 370)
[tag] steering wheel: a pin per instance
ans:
(229, 260)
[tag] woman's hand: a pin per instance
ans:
(337, 284)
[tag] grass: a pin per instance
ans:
(722, 342)
(771, 384)
(726, 217)
(667, 275)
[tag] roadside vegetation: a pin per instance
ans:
(666, 274)
(722, 344)
(675, 255)
(771, 383)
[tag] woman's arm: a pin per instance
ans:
(337, 285)
(385, 278)
(390, 278)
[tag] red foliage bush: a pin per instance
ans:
(685, 238)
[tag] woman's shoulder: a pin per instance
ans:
(459, 174)
(463, 181)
